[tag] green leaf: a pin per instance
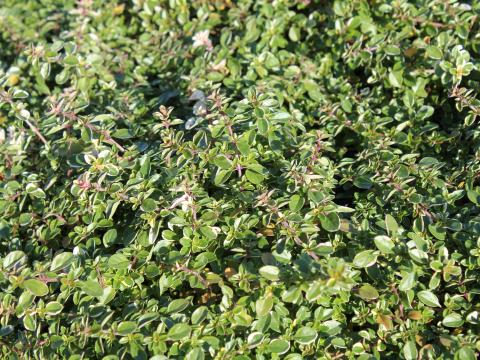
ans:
(208, 232)
(92, 288)
(437, 231)
(263, 306)
(254, 339)
(453, 320)
(14, 259)
(122, 134)
(331, 327)
(107, 296)
(465, 353)
(270, 272)
(392, 50)
(433, 52)
(149, 205)
(330, 222)
(243, 145)
(215, 76)
(6, 330)
(473, 196)
(278, 346)
(423, 113)
(178, 305)
(363, 182)
(428, 161)
(281, 116)
(53, 308)
(254, 177)
(305, 335)
(196, 354)
(221, 177)
(126, 327)
(384, 244)
(395, 78)
(179, 332)
(428, 298)
(109, 237)
(408, 282)
(294, 34)
(368, 292)
(29, 322)
(118, 261)
(61, 261)
(35, 191)
(70, 60)
(262, 125)
(296, 203)
(410, 351)
(199, 315)
(365, 259)
(25, 300)
(392, 225)
(36, 287)
(222, 162)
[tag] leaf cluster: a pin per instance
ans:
(239, 179)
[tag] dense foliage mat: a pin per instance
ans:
(239, 179)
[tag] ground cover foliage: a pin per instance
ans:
(239, 179)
